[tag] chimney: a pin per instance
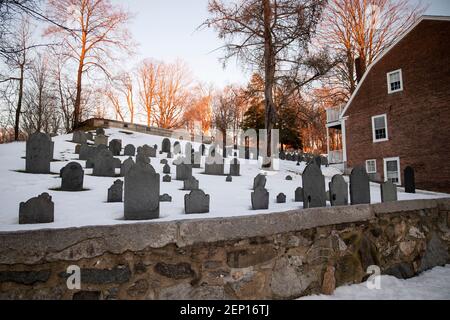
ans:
(359, 69)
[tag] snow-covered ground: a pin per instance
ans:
(90, 207)
(430, 285)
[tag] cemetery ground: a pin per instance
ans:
(90, 208)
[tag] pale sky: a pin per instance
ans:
(166, 30)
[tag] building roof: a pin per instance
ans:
(422, 18)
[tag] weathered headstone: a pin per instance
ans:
(100, 131)
(126, 166)
(72, 177)
(77, 148)
(38, 153)
(289, 178)
(281, 198)
(299, 194)
(141, 201)
(196, 202)
(166, 169)
(409, 180)
(197, 160)
(86, 152)
(183, 171)
(260, 199)
(235, 168)
(282, 155)
(164, 161)
(117, 163)
(79, 137)
(115, 192)
(165, 198)
(166, 145)
(104, 164)
(318, 161)
(37, 210)
(359, 186)
(177, 147)
(90, 136)
(130, 150)
(147, 150)
(191, 184)
(167, 178)
(388, 192)
(141, 157)
(229, 179)
(259, 181)
(101, 139)
(215, 165)
(313, 187)
(338, 193)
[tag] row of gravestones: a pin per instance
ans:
(304, 157)
(314, 195)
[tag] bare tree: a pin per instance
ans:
(271, 36)
(148, 73)
(97, 32)
(359, 30)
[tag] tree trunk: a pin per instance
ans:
(19, 104)
(224, 141)
(269, 71)
(77, 106)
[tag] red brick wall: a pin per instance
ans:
(418, 117)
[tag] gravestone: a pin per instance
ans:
(388, 192)
(183, 171)
(86, 152)
(115, 192)
(409, 180)
(260, 199)
(126, 166)
(215, 166)
(166, 145)
(101, 139)
(289, 157)
(166, 169)
(282, 155)
(141, 201)
(191, 184)
(169, 155)
(318, 161)
(235, 168)
(72, 177)
(147, 150)
(104, 164)
(100, 131)
(129, 151)
(117, 163)
(141, 157)
(77, 148)
(313, 187)
(90, 136)
(196, 202)
(197, 160)
(259, 181)
(299, 194)
(165, 198)
(359, 186)
(176, 147)
(188, 150)
(229, 179)
(324, 161)
(37, 210)
(281, 198)
(92, 154)
(79, 137)
(39, 153)
(289, 178)
(338, 194)
(164, 161)
(167, 178)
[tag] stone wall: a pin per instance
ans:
(273, 256)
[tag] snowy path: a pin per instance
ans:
(431, 285)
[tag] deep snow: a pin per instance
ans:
(430, 285)
(90, 207)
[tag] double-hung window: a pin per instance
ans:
(395, 81)
(379, 128)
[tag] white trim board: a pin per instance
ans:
(400, 38)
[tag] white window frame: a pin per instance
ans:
(367, 167)
(373, 128)
(389, 81)
(385, 160)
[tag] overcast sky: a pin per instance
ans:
(166, 30)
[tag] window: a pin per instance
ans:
(392, 170)
(379, 128)
(395, 81)
(371, 166)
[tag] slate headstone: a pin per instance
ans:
(313, 187)
(259, 181)
(130, 150)
(359, 186)
(167, 178)
(196, 202)
(79, 137)
(72, 177)
(38, 153)
(289, 178)
(100, 131)
(338, 193)
(166, 145)
(142, 158)
(126, 166)
(115, 192)
(260, 199)
(37, 210)
(229, 179)
(165, 198)
(166, 169)
(388, 192)
(191, 184)
(183, 171)
(235, 168)
(101, 139)
(104, 164)
(141, 200)
(215, 166)
(164, 161)
(281, 198)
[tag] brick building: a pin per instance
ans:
(399, 115)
